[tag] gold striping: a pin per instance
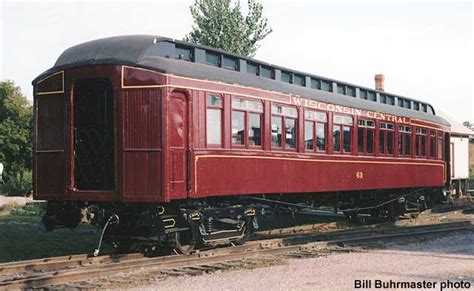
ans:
(239, 94)
(52, 92)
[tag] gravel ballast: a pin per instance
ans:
(439, 260)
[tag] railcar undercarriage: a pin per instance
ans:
(184, 225)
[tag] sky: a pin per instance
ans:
(423, 49)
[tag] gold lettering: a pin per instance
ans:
(370, 114)
(330, 107)
(297, 101)
(358, 112)
(338, 108)
(313, 104)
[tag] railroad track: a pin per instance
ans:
(64, 270)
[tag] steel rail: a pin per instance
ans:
(251, 250)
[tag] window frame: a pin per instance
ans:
(283, 117)
(420, 149)
(247, 111)
(362, 124)
(385, 130)
(315, 123)
(342, 125)
(402, 137)
(214, 107)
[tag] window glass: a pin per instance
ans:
(276, 131)
(212, 59)
(360, 139)
(321, 136)
(230, 63)
(370, 141)
(252, 68)
(390, 100)
(423, 145)
(440, 148)
(383, 98)
(238, 131)
(407, 144)
(336, 137)
(342, 119)
(238, 103)
(314, 115)
(400, 144)
(390, 142)
(432, 144)
(290, 130)
(298, 80)
(286, 77)
(266, 72)
(214, 100)
(254, 130)
(363, 94)
(371, 96)
(326, 86)
(308, 135)
(382, 142)
(347, 139)
(284, 110)
(341, 89)
(351, 91)
(183, 53)
(315, 84)
(214, 126)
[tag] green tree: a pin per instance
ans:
(16, 149)
(219, 24)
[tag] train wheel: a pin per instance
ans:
(182, 243)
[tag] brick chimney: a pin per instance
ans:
(379, 80)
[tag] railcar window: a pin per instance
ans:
(284, 117)
(246, 122)
(326, 86)
(390, 100)
(404, 140)
(276, 131)
(420, 142)
(315, 121)
(342, 132)
(214, 120)
(298, 80)
(341, 89)
(351, 91)
(212, 59)
(286, 77)
(290, 132)
(336, 137)
(386, 138)
(316, 84)
(416, 106)
(432, 144)
(371, 96)
(266, 72)
(383, 98)
(365, 136)
(255, 129)
(238, 127)
(183, 53)
(309, 135)
(363, 94)
(252, 68)
(230, 63)
(440, 146)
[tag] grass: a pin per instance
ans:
(21, 238)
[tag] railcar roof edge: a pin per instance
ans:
(139, 51)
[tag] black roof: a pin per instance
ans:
(189, 60)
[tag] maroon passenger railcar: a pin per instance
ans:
(171, 141)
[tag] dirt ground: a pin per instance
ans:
(448, 260)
